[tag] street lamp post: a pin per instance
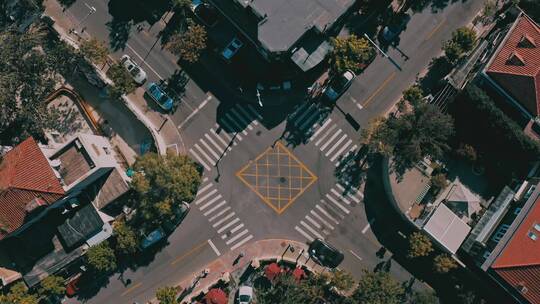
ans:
(375, 45)
(259, 98)
(92, 10)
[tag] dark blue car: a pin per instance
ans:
(159, 96)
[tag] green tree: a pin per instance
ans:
(95, 50)
(126, 238)
(350, 53)
(443, 263)
(374, 136)
(413, 95)
(167, 295)
(123, 83)
(161, 184)
(189, 44)
(532, 7)
(463, 40)
(419, 245)
(424, 297)
(340, 279)
(452, 51)
(52, 286)
(18, 294)
(101, 258)
(467, 152)
(438, 181)
(378, 288)
(28, 78)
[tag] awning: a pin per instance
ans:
(307, 60)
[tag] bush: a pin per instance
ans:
(443, 263)
(419, 245)
(126, 239)
(101, 258)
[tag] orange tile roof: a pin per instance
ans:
(516, 65)
(25, 174)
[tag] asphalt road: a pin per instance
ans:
(227, 211)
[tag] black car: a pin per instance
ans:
(324, 254)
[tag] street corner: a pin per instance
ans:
(277, 176)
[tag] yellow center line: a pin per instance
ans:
(438, 27)
(192, 251)
(131, 289)
(370, 98)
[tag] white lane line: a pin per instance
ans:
(347, 154)
(241, 119)
(199, 159)
(337, 204)
(228, 216)
(320, 129)
(236, 237)
(308, 227)
(224, 132)
(200, 200)
(355, 255)
(233, 231)
(242, 242)
(302, 232)
(142, 60)
(213, 142)
(325, 134)
(327, 224)
(195, 112)
(336, 145)
(340, 196)
(338, 153)
(201, 190)
(354, 198)
(235, 123)
(368, 226)
(331, 139)
(215, 216)
(229, 224)
(225, 144)
(229, 127)
(205, 180)
(215, 208)
(212, 162)
(214, 154)
(327, 214)
(214, 247)
(313, 222)
(210, 202)
(332, 209)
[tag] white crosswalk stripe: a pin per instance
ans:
(323, 147)
(215, 144)
(319, 130)
(341, 150)
(324, 217)
(221, 216)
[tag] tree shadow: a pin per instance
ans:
(66, 3)
(119, 32)
(350, 170)
(438, 68)
(302, 121)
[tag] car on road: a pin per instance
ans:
(205, 12)
(324, 254)
(159, 96)
(139, 76)
(245, 294)
(338, 85)
(232, 48)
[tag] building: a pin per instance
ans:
(514, 68)
(505, 242)
(54, 203)
(281, 29)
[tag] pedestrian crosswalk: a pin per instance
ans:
(215, 143)
(327, 136)
(221, 216)
(328, 213)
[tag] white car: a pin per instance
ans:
(232, 48)
(245, 294)
(134, 69)
(339, 85)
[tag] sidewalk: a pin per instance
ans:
(273, 249)
(168, 135)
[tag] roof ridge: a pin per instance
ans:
(34, 190)
(517, 265)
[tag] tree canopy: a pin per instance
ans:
(18, 294)
(101, 258)
(351, 53)
(52, 286)
(95, 50)
(161, 184)
(123, 83)
(126, 238)
(443, 263)
(378, 288)
(463, 40)
(419, 245)
(166, 295)
(189, 44)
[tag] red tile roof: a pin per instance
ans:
(516, 66)
(519, 262)
(25, 174)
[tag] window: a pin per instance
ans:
(500, 232)
(537, 227)
(516, 211)
(532, 235)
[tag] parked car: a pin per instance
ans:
(159, 96)
(232, 48)
(396, 26)
(168, 227)
(324, 254)
(339, 85)
(134, 69)
(245, 294)
(205, 12)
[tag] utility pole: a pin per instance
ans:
(375, 45)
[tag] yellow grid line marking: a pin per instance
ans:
(277, 151)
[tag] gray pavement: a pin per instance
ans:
(231, 135)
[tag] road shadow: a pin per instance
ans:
(350, 171)
(301, 123)
(438, 68)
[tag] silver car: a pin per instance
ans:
(134, 69)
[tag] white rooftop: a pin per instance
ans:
(447, 228)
